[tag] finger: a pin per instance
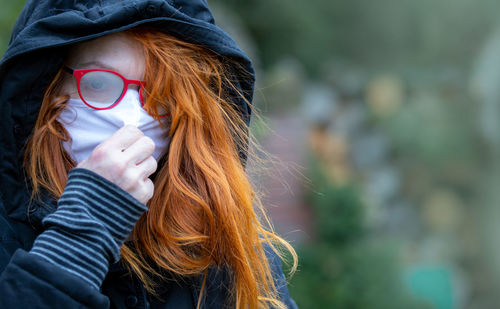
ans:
(140, 150)
(147, 167)
(144, 192)
(150, 189)
(124, 137)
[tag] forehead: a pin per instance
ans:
(117, 51)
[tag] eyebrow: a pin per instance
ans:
(96, 63)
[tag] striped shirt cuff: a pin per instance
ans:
(92, 220)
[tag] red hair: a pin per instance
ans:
(202, 211)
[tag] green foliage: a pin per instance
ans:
(344, 267)
(360, 275)
(432, 130)
(8, 15)
(373, 34)
(339, 211)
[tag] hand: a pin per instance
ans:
(125, 160)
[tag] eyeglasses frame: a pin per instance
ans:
(78, 74)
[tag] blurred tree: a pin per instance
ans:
(344, 267)
(374, 34)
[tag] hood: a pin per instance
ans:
(39, 41)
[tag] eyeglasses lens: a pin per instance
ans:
(101, 89)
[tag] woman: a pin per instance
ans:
(123, 145)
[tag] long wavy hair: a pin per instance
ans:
(204, 210)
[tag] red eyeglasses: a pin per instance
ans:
(103, 89)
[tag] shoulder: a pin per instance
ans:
(219, 279)
(275, 264)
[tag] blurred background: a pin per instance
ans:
(383, 119)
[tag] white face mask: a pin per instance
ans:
(89, 127)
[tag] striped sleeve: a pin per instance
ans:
(92, 220)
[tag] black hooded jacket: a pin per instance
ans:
(40, 39)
